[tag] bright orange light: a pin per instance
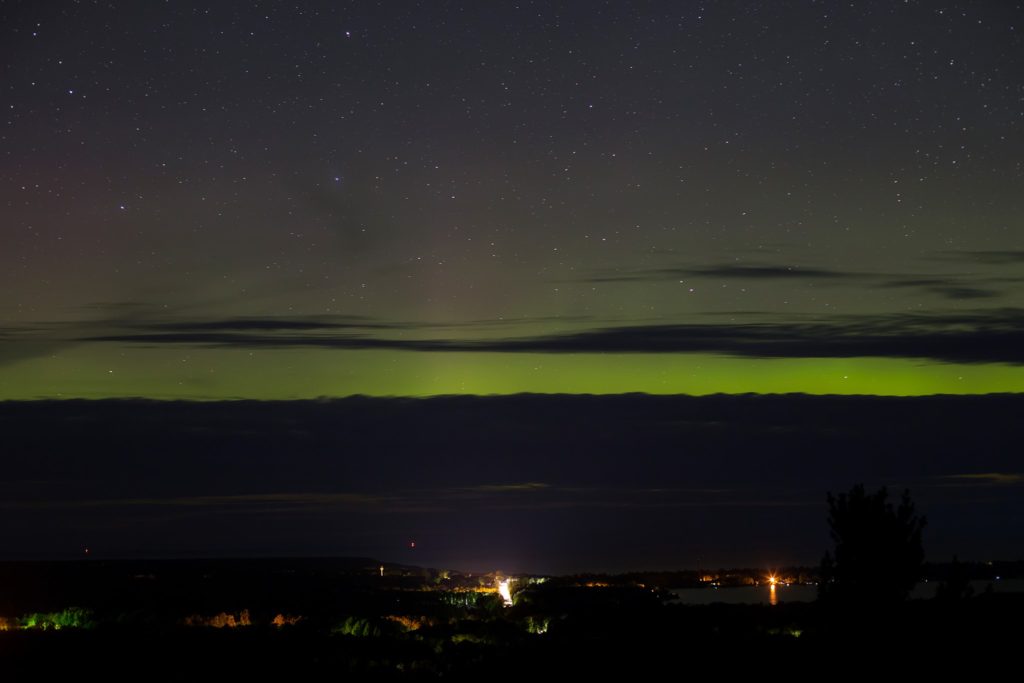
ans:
(773, 580)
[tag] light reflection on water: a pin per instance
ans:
(767, 595)
(772, 595)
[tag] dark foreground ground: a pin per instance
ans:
(524, 483)
(340, 619)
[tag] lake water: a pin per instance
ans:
(754, 595)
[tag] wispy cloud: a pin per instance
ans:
(729, 271)
(521, 496)
(992, 257)
(270, 324)
(954, 287)
(984, 336)
(987, 478)
(948, 288)
(251, 499)
(525, 486)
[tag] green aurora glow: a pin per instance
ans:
(788, 184)
(99, 371)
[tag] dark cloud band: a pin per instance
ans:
(993, 336)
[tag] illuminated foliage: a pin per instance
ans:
(464, 599)
(73, 617)
(222, 620)
(362, 627)
(537, 625)
(407, 623)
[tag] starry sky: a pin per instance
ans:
(284, 200)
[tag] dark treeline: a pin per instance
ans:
(198, 619)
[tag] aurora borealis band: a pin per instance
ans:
(260, 200)
(214, 374)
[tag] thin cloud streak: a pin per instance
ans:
(524, 496)
(730, 271)
(1002, 257)
(987, 478)
(953, 287)
(985, 336)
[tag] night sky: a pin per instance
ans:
(278, 200)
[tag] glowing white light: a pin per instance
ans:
(504, 591)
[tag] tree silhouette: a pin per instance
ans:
(878, 551)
